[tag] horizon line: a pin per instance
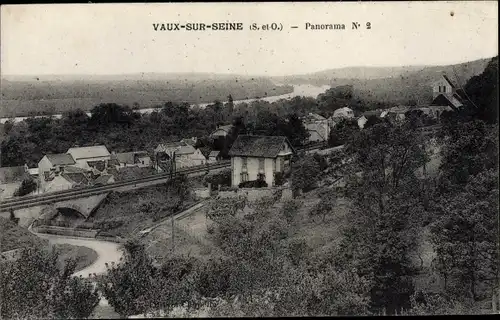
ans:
(241, 74)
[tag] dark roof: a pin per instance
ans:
(12, 174)
(372, 113)
(99, 164)
(258, 146)
(444, 100)
(103, 179)
(452, 83)
(78, 178)
(60, 159)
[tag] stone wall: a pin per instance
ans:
(255, 194)
(70, 232)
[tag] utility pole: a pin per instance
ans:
(173, 236)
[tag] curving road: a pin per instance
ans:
(107, 252)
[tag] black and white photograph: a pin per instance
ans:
(249, 159)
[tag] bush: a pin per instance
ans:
(290, 210)
(253, 184)
(222, 178)
(279, 178)
(27, 186)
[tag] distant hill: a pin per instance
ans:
(390, 84)
(32, 95)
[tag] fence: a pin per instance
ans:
(71, 232)
(64, 224)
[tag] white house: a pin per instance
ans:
(66, 180)
(90, 157)
(259, 157)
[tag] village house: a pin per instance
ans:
(259, 157)
(317, 126)
(67, 180)
(51, 164)
(185, 154)
(130, 159)
(339, 114)
(445, 92)
(214, 156)
(221, 131)
(11, 179)
(90, 157)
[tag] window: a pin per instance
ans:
(244, 177)
(244, 162)
(261, 163)
(274, 165)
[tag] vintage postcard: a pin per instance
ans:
(249, 159)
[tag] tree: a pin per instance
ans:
(28, 185)
(129, 285)
(37, 286)
(465, 236)
(482, 90)
(305, 174)
(384, 223)
(326, 205)
(342, 131)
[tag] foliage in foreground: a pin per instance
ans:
(37, 286)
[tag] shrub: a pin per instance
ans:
(27, 186)
(290, 210)
(279, 178)
(222, 178)
(253, 184)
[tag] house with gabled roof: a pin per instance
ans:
(317, 126)
(90, 157)
(446, 92)
(221, 131)
(259, 157)
(51, 164)
(130, 159)
(185, 154)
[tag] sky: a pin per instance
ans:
(114, 39)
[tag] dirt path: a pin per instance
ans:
(107, 252)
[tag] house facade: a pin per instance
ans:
(317, 126)
(51, 164)
(185, 154)
(259, 157)
(221, 131)
(130, 159)
(90, 157)
(445, 92)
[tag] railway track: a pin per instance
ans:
(49, 198)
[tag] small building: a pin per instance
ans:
(214, 156)
(90, 157)
(185, 154)
(221, 131)
(130, 159)
(446, 92)
(317, 126)
(11, 179)
(52, 163)
(66, 180)
(259, 157)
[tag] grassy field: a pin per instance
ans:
(83, 256)
(125, 214)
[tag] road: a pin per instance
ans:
(107, 252)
